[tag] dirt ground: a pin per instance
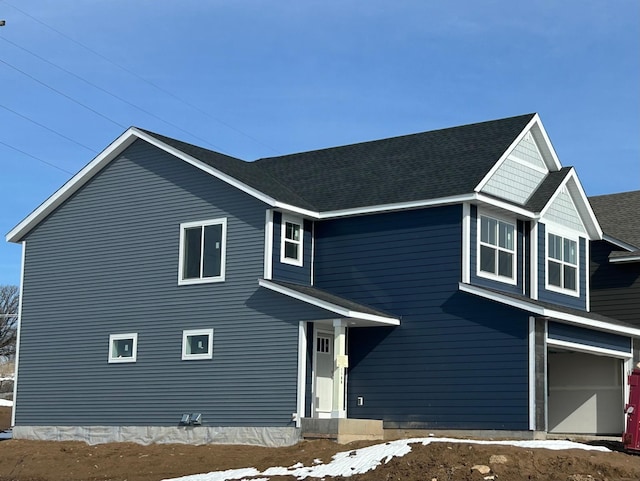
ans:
(73, 461)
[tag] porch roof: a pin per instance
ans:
(362, 316)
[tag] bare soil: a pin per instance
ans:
(74, 461)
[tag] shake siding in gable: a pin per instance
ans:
(106, 262)
(456, 361)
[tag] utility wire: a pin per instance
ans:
(130, 72)
(36, 158)
(63, 94)
(47, 128)
(115, 96)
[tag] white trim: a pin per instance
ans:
(587, 274)
(533, 259)
(312, 269)
(288, 219)
(197, 332)
(302, 372)
(532, 373)
(19, 329)
(543, 142)
(466, 243)
(575, 346)
(134, 348)
(514, 262)
(552, 313)
(317, 329)
(562, 262)
(481, 197)
(622, 260)
(342, 311)
(223, 252)
(268, 244)
(619, 243)
(627, 368)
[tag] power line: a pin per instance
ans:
(115, 96)
(130, 72)
(36, 158)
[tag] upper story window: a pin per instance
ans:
(562, 263)
(202, 251)
(291, 241)
(497, 250)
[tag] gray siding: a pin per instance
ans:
(615, 288)
(106, 262)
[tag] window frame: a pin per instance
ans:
(134, 348)
(564, 235)
(479, 243)
(286, 219)
(223, 252)
(197, 332)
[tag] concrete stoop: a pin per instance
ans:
(342, 430)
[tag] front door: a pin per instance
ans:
(323, 363)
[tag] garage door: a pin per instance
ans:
(585, 393)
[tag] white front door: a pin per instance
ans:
(324, 365)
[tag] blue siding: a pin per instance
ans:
(456, 361)
(473, 259)
(565, 332)
(106, 262)
(557, 297)
(287, 272)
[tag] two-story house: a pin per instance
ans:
(436, 280)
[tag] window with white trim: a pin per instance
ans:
(197, 344)
(562, 263)
(123, 347)
(202, 251)
(497, 249)
(291, 241)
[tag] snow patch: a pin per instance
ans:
(359, 461)
(6, 403)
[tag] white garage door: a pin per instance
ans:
(585, 394)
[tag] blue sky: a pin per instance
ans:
(260, 78)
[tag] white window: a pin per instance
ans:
(123, 347)
(202, 251)
(197, 344)
(291, 241)
(562, 263)
(497, 250)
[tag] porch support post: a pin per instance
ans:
(339, 366)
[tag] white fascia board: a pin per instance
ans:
(72, 185)
(374, 209)
(618, 242)
(551, 313)
(506, 206)
(342, 311)
(581, 203)
(622, 260)
(574, 346)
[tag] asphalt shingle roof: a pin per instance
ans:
(546, 189)
(619, 215)
(428, 165)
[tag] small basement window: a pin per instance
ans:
(202, 251)
(291, 241)
(123, 347)
(197, 344)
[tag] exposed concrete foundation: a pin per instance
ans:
(391, 434)
(259, 436)
(342, 430)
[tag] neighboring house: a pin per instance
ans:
(615, 260)
(436, 280)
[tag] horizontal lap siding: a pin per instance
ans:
(605, 340)
(456, 361)
(615, 288)
(287, 272)
(106, 262)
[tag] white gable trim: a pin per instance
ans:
(547, 312)
(621, 260)
(340, 310)
(542, 141)
(580, 202)
(618, 242)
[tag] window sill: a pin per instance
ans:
(493, 277)
(560, 290)
(208, 280)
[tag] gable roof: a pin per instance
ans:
(430, 168)
(619, 216)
